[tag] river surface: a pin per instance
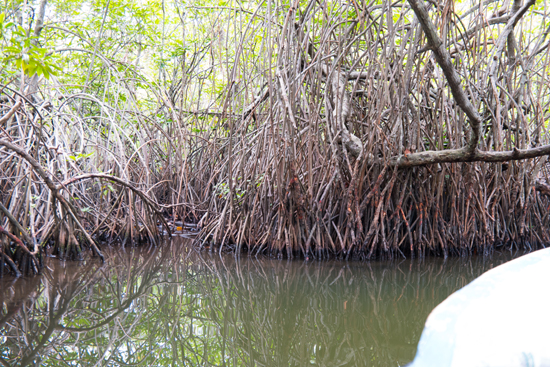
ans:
(173, 306)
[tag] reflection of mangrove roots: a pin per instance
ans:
(260, 311)
(38, 333)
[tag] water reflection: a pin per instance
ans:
(171, 306)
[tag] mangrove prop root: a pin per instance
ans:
(35, 264)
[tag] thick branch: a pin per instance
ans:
(40, 17)
(10, 113)
(342, 105)
(443, 58)
(464, 155)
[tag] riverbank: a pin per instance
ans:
(318, 130)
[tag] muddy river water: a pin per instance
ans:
(173, 306)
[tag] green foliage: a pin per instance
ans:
(20, 48)
(78, 156)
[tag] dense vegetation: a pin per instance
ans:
(310, 128)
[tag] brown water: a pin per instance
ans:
(172, 306)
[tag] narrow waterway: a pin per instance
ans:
(172, 306)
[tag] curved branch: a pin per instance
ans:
(150, 202)
(53, 188)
